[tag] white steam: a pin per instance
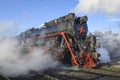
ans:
(110, 50)
(14, 62)
(8, 28)
(109, 7)
(105, 57)
(5, 25)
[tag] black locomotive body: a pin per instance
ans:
(67, 40)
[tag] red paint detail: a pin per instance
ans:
(88, 60)
(81, 29)
(66, 41)
(68, 45)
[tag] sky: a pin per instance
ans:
(18, 15)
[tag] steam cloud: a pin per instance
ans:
(14, 62)
(8, 28)
(105, 57)
(110, 50)
(109, 7)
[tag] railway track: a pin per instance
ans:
(65, 73)
(83, 74)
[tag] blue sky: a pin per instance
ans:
(19, 15)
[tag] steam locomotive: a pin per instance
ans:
(67, 40)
